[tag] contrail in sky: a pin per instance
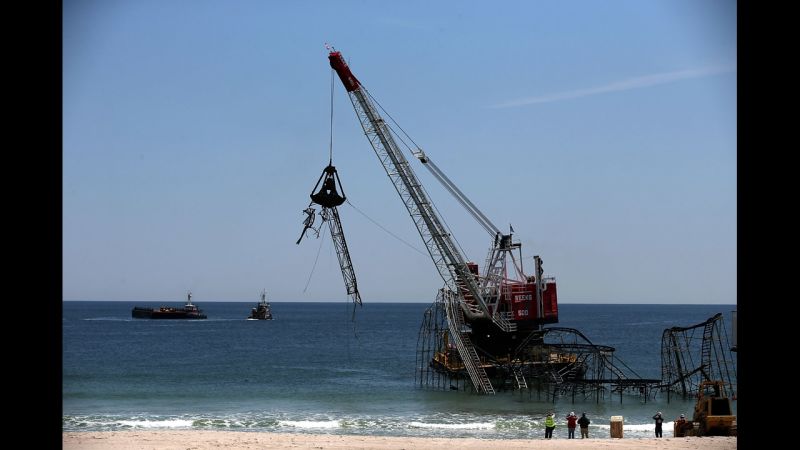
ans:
(624, 85)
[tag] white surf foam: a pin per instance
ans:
(170, 423)
(454, 426)
(308, 424)
(639, 427)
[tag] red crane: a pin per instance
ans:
(489, 311)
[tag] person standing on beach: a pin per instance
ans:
(680, 426)
(659, 420)
(584, 423)
(549, 426)
(571, 420)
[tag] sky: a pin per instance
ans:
(194, 132)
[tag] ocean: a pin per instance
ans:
(315, 370)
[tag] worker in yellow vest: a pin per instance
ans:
(549, 426)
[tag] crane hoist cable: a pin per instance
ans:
(308, 281)
(386, 230)
(417, 152)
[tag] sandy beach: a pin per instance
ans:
(200, 440)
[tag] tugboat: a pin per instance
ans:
(262, 310)
(189, 311)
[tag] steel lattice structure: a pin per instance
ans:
(701, 352)
(328, 199)
(555, 361)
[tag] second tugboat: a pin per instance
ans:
(189, 311)
(262, 310)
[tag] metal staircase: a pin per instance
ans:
(705, 349)
(520, 377)
(458, 334)
(568, 372)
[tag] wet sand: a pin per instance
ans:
(202, 440)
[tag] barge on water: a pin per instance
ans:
(189, 311)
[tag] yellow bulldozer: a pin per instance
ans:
(712, 413)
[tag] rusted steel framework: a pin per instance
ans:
(553, 362)
(697, 353)
(328, 198)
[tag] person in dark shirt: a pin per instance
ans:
(584, 424)
(681, 426)
(659, 420)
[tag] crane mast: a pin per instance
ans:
(493, 280)
(447, 258)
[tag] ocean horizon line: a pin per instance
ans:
(395, 302)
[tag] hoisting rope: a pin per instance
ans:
(393, 121)
(410, 150)
(330, 150)
(353, 322)
(330, 162)
(315, 262)
(387, 231)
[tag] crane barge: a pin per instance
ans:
(483, 327)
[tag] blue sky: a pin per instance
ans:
(194, 131)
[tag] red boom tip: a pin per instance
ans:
(349, 80)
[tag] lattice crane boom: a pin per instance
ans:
(446, 256)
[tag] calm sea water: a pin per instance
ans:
(313, 370)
